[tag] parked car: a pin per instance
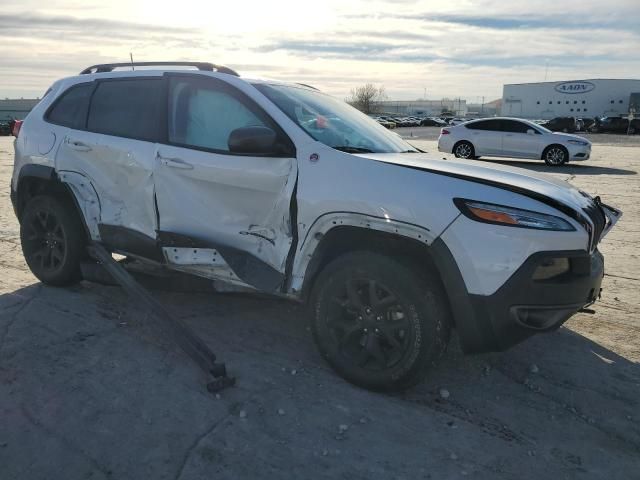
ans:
(432, 122)
(5, 129)
(561, 124)
(456, 121)
(586, 123)
(512, 137)
(385, 123)
(285, 190)
(615, 125)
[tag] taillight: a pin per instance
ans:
(444, 131)
(15, 131)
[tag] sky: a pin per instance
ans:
(452, 48)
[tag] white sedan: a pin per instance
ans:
(512, 137)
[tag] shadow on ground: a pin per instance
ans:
(89, 388)
(571, 168)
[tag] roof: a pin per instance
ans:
(579, 80)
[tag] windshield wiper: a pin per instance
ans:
(352, 149)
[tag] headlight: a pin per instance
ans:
(510, 217)
(578, 142)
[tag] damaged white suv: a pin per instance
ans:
(283, 189)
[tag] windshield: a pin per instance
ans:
(332, 121)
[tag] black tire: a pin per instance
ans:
(53, 240)
(383, 345)
(464, 150)
(555, 155)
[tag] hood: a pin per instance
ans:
(568, 136)
(549, 190)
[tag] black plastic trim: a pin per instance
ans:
(247, 267)
(126, 240)
(203, 66)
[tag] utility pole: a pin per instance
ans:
(546, 69)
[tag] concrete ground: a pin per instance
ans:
(90, 389)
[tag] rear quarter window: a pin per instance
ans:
(70, 110)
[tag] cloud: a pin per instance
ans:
(449, 48)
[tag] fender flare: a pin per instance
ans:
(326, 222)
(77, 186)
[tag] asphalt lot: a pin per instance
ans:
(90, 389)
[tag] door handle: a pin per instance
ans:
(174, 162)
(78, 146)
(509, 135)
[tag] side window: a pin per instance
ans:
(129, 108)
(203, 113)
(476, 125)
(70, 110)
(492, 125)
(513, 126)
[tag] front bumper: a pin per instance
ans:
(524, 306)
(579, 152)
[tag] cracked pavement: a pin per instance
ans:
(89, 388)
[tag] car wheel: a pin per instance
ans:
(463, 149)
(377, 322)
(53, 240)
(555, 155)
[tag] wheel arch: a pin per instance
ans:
(35, 180)
(545, 149)
(464, 140)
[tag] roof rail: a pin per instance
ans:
(205, 66)
(308, 86)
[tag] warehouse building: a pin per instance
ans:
(16, 109)
(428, 108)
(576, 98)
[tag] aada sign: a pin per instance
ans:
(574, 87)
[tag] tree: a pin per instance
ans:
(367, 97)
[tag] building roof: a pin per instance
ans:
(579, 80)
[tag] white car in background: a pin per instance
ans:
(512, 137)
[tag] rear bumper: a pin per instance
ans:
(524, 306)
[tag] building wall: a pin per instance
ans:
(579, 98)
(428, 108)
(16, 109)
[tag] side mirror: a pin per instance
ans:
(253, 140)
(531, 131)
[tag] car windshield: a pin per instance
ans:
(332, 121)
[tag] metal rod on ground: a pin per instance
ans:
(188, 341)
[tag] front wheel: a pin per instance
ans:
(463, 150)
(555, 155)
(53, 240)
(378, 322)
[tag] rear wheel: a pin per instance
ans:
(463, 149)
(555, 155)
(378, 322)
(53, 240)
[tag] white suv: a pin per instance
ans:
(283, 189)
(514, 138)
